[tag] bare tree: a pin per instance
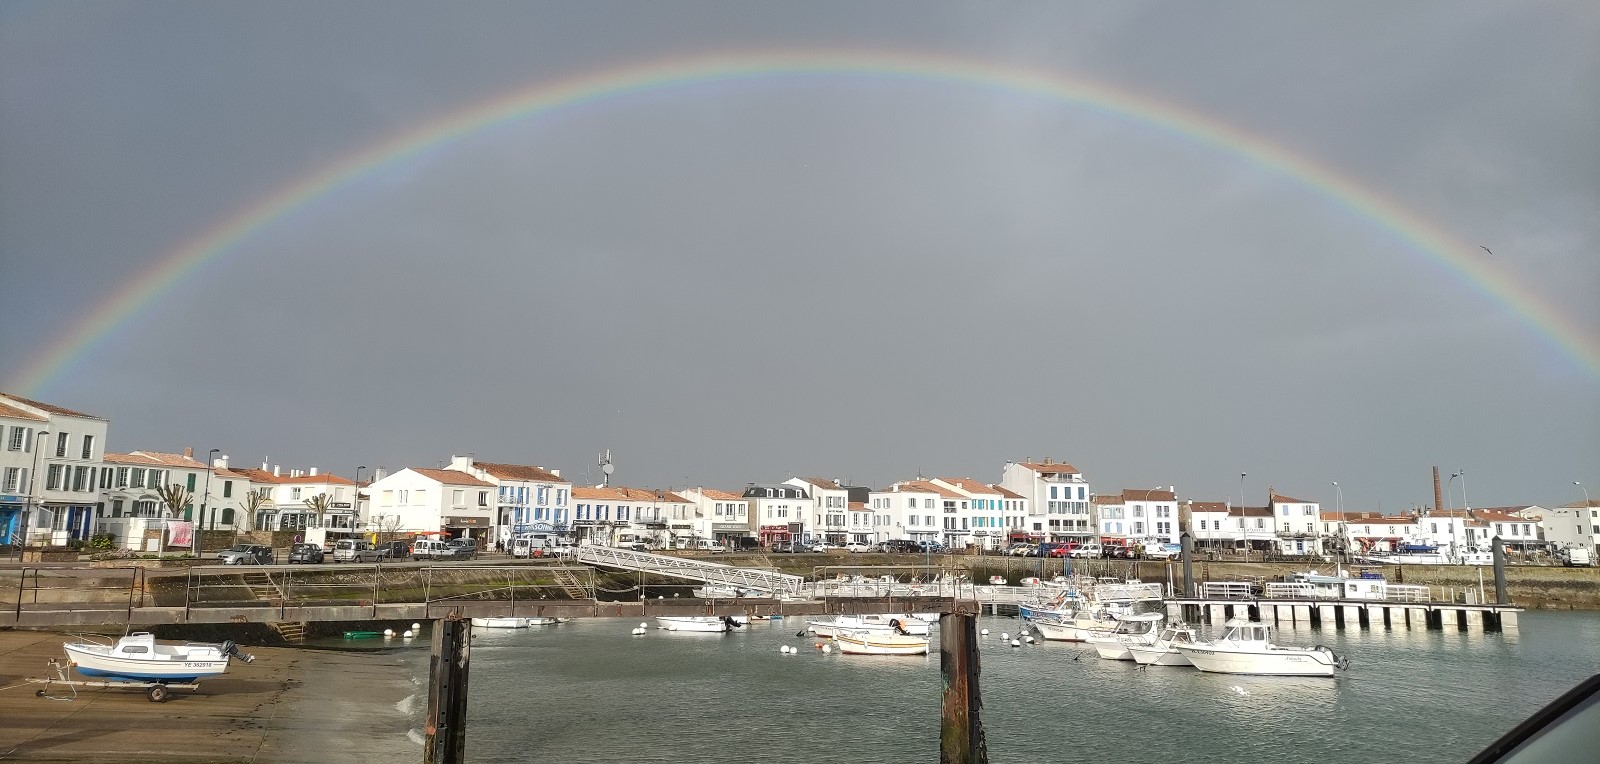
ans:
(319, 505)
(252, 504)
(175, 498)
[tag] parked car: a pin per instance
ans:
(247, 554)
(1084, 550)
(857, 547)
(432, 549)
(1576, 557)
(465, 549)
(394, 550)
(900, 546)
(930, 547)
(355, 550)
(1163, 551)
(305, 553)
(823, 546)
(792, 548)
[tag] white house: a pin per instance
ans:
(1366, 532)
(619, 515)
(913, 509)
(422, 501)
(20, 430)
(778, 511)
(1516, 532)
(527, 498)
(1014, 507)
(978, 516)
(719, 515)
(56, 454)
(828, 519)
(1295, 523)
(1575, 524)
(285, 498)
(1139, 515)
(1447, 530)
(1057, 498)
(1220, 525)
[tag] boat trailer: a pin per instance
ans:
(156, 691)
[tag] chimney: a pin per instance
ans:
(378, 474)
(313, 471)
(264, 465)
(557, 473)
(277, 471)
(1047, 460)
(1438, 496)
(188, 452)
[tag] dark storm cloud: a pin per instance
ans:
(856, 277)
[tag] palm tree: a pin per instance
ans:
(319, 505)
(175, 498)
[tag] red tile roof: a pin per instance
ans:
(1208, 506)
(50, 408)
(1061, 467)
(258, 476)
(1281, 499)
(923, 486)
(823, 483)
(155, 459)
(971, 486)
(8, 410)
(623, 493)
(1006, 492)
(1106, 498)
(325, 477)
(1582, 504)
(716, 495)
(859, 506)
(450, 477)
(1147, 494)
(526, 472)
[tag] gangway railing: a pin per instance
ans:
(766, 581)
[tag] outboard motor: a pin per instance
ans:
(894, 623)
(232, 650)
(731, 623)
(1339, 661)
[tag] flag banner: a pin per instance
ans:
(180, 533)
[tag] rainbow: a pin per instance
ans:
(541, 98)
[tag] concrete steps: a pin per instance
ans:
(572, 585)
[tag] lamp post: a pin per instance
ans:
(1244, 535)
(33, 477)
(1465, 502)
(1338, 509)
(1585, 493)
(1449, 485)
(355, 505)
(199, 518)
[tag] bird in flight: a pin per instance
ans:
(1486, 249)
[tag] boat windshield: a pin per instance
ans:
(1135, 627)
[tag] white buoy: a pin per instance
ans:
(388, 632)
(1028, 639)
(827, 648)
(1004, 635)
(416, 627)
(985, 632)
(783, 649)
(644, 625)
(659, 597)
(1015, 643)
(407, 634)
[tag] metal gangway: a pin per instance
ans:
(764, 581)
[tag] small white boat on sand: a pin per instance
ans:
(1164, 651)
(1132, 629)
(139, 657)
(876, 643)
(1246, 648)
(699, 623)
(516, 623)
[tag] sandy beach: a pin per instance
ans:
(290, 705)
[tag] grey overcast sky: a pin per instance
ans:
(855, 276)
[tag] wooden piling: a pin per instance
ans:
(446, 725)
(961, 738)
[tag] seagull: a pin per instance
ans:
(1486, 249)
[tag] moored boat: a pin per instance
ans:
(1246, 648)
(139, 657)
(1163, 651)
(1132, 628)
(698, 623)
(507, 622)
(892, 623)
(876, 643)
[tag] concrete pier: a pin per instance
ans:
(1325, 616)
(1352, 616)
(1474, 618)
(1217, 614)
(1302, 613)
(1417, 617)
(1377, 617)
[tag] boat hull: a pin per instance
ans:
(875, 644)
(1158, 656)
(500, 623)
(144, 670)
(1111, 649)
(1070, 631)
(1259, 662)
(704, 624)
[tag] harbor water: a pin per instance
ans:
(589, 691)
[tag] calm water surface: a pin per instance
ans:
(588, 691)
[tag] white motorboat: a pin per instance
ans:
(516, 623)
(700, 623)
(1132, 628)
(892, 623)
(1078, 628)
(1246, 648)
(139, 657)
(876, 643)
(1163, 651)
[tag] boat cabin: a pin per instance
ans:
(1240, 631)
(1134, 624)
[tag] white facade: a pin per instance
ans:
(1057, 498)
(21, 452)
(1364, 532)
(61, 451)
(528, 498)
(719, 515)
(1575, 524)
(975, 516)
(417, 500)
(1218, 524)
(615, 515)
(1296, 521)
(828, 519)
(778, 511)
(911, 509)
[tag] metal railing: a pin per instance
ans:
(767, 581)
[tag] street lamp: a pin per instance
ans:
(1585, 492)
(33, 477)
(1244, 535)
(194, 542)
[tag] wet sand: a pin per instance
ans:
(288, 706)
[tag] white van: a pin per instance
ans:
(533, 544)
(432, 549)
(1576, 557)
